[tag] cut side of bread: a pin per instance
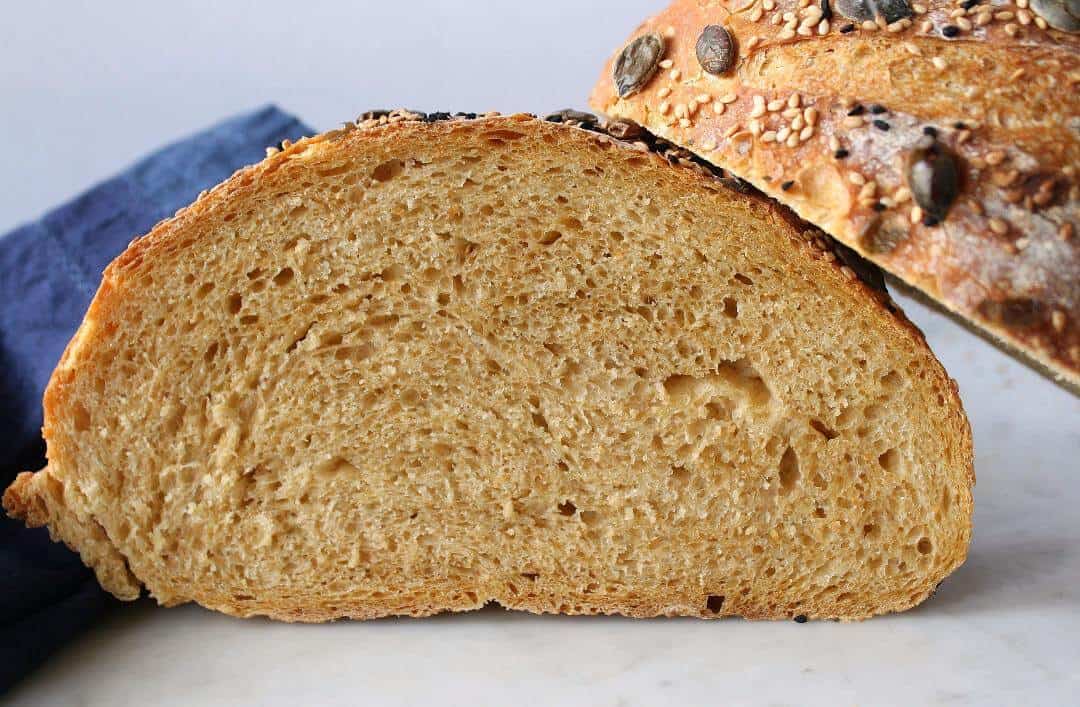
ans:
(941, 142)
(413, 366)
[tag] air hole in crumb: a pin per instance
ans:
(890, 461)
(823, 429)
(789, 470)
(715, 603)
(819, 512)
(249, 319)
(234, 303)
(80, 417)
(680, 475)
(550, 237)
(743, 279)
(387, 170)
(731, 308)
(204, 290)
(924, 546)
(540, 421)
(871, 530)
(567, 508)
(284, 277)
(590, 518)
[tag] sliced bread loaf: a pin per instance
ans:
(412, 366)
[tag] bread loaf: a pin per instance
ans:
(940, 139)
(419, 364)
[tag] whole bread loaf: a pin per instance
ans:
(422, 364)
(939, 138)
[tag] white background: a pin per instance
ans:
(87, 87)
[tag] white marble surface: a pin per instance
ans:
(88, 87)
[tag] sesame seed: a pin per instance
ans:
(663, 92)
(919, 8)
(888, 202)
(959, 12)
(868, 190)
(881, 125)
(718, 107)
(963, 23)
(755, 127)
(680, 110)
(1022, 4)
(768, 136)
(684, 123)
(775, 105)
(806, 133)
(732, 130)
(823, 28)
(847, 29)
(752, 42)
(728, 98)
(790, 113)
(782, 134)
(792, 141)
(811, 116)
(841, 154)
(703, 98)
(995, 158)
(869, 25)
(797, 122)
(912, 49)
(756, 14)
(1016, 74)
(804, 31)
(769, 5)
(1004, 16)
(998, 226)
(786, 33)
(926, 26)
(709, 146)
(759, 107)
(675, 74)
(983, 19)
(901, 195)
(776, 20)
(950, 31)
(1040, 22)
(939, 63)
(916, 214)
(667, 64)
(1057, 320)
(852, 121)
(856, 179)
(787, 185)
(794, 100)
(1023, 16)
(1012, 29)
(664, 108)
(963, 136)
(1022, 243)
(898, 26)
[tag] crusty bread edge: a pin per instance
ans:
(43, 499)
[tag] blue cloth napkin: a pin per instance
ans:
(49, 271)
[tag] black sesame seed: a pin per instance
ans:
(930, 130)
(930, 221)
(787, 185)
(826, 10)
(960, 125)
(857, 110)
(881, 125)
(847, 28)
(968, 4)
(950, 30)
(800, 619)
(877, 109)
(841, 154)
(879, 207)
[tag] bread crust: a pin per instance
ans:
(56, 499)
(999, 91)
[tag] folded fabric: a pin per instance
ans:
(49, 271)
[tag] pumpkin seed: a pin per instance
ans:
(933, 178)
(637, 64)
(1059, 14)
(869, 10)
(716, 50)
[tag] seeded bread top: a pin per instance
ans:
(941, 140)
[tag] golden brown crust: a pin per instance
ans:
(825, 118)
(42, 498)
